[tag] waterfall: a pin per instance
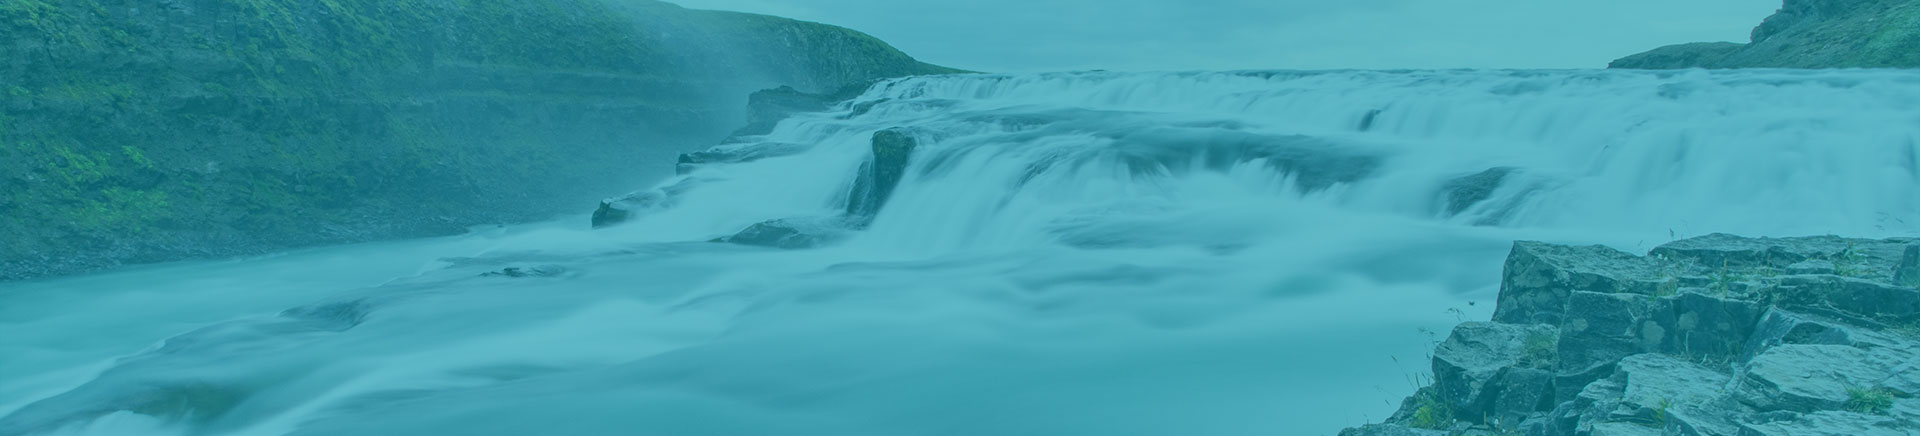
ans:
(1207, 253)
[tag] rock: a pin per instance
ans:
(1807, 378)
(1848, 297)
(1830, 423)
(1861, 258)
(1465, 192)
(735, 153)
(1623, 429)
(607, 215)
(1598, 331)
(1487, 370)
(615, 211)
(1539, 278)
(766, 108)
(1782, 327)
(1672, 393)
(892, 152)
(791, 233)
(1907, 271)
(525, 272)
(1696, 324)
(1705, 336)
(1390, 430)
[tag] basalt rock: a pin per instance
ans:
(793, 233)
(1705, 336)
(892, 151)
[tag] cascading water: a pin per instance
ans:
(1074, 253)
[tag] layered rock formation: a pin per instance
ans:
(1717, 335)
(1808, 34)
(140, 131)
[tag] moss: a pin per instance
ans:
(1869, 401)
(1540, 350)
(1430, 412)
(269, 119)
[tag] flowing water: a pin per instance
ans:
(1235, 253)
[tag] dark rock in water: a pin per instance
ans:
(1465, 192)
(1907, 272)
(792, 233)
(618, 210)
(1366, 121)
(607, 215)
(1706, 336)
(735, 153)
(339, 316)
(892, 152)
(766, 108)
(524, 272)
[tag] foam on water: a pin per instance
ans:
(1073, 253)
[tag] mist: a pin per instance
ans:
(1155, 35)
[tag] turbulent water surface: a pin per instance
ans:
(1257, 253)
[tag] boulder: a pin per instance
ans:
(1907, 271)
(1855, 299)
(791, 233)
(767, 108)
(1810, 378)
(516, 272)
(892, 152)
(1390, 430)
(607, 215)
(1783, 327)
(1599, 330)
(1540, 277)
(1487, 370)
(735, 153)
(1829, 423)
(1465, 192)
(1668, 392)
(1700, 325)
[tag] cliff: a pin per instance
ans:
(146, 131)
(1717, 335)
(1808, 34)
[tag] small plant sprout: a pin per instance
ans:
(1869, 401)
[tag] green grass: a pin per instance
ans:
(1869, 401)
(1430, 412)
(1540, 350)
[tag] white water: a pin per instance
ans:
(1070, 254)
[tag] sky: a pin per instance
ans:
(1155, 35)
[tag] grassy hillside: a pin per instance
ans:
(139, 131)
(1808, 34)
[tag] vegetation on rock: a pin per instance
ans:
(136, 131)
(1808, 34)
(1756, 337)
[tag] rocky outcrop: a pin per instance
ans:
(135, 132)
(890, 155)
(1808, 34)
(892, 151)
(1716, 335)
